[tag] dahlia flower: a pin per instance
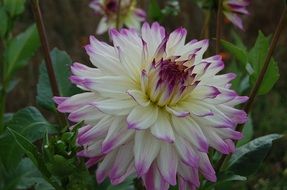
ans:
(153, 107)
(130, 16)
(232, 9)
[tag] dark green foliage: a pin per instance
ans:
(61, 63)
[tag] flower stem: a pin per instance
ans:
(46, 51)
(2, 106)
(205, 27)
(260, 78)
(218, 26)
(118, 15)
(2, 96)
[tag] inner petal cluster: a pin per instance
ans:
(169, 81)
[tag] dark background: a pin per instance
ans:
(70, 22)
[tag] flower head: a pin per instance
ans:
(130, 16)
(232, 9)
(153, 107)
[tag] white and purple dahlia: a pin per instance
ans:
(153, 107)
(232, 9)
(130, 16)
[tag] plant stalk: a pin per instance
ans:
(218, 25)
(255, 89)
(205, 27)
(2, 97)
(46, 51)
(118, 15)
(2, 106)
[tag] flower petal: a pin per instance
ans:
(189, 174)
(104, 57)
(142, 117)
(162, 128)
(206, 168)
(77, 101)
(122, 162)
(139, 97)
(105, 166)
(130, 47)
(146, 149)
(153, 37)
(86, 113)
(167, 161)
(118, 134)
(175, 41)
(115, 106)
(189, 129)
(153, 179)
(187, 152)
(101, 128)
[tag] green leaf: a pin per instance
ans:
(20, 49)
(247, 132)
(248, 158)
(29, 176)
(32, 152)
(61, 63)
(61, 166)
(256, 58)
(14, 7)
(239, 53)
(3, 22)
(30, 123)
(154, 10)
(126, 185)
(224, 179)
(238, 40)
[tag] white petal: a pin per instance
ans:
(216, 141)
(101, 128)
(140, 97)
(104, 57)
(189, 174)
(167, 161)
(102, 26)
(122, 162)
(106, 85)
(92, 150)
(177, 111)
(105, 166)
(130, 48)
(118, 134)
(77, 101)
(153, 36)
(189, 129)
(82, 70)
(87, 113)
(146, 149)
(193, 106)
(187, 152)
(203, 91)
(206, 168)
(142, 117)
(175, 41)
(115, 106)
(193, 48)
(162, 128)
(153, 179)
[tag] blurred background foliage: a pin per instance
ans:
(70, 22)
